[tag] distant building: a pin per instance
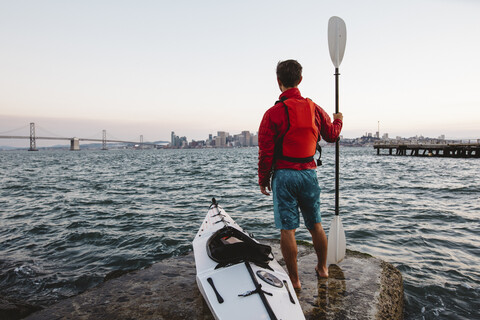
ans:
(238, 140)
(176, 142)
(182, 142)
(255, 140)
(210, 142)
(221, 139)
(197, 144)
(247, 139)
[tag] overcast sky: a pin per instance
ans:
(197, 67)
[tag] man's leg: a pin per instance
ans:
(320, 243)
(289, 252)
(309, 202)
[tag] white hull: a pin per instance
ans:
(232, 280)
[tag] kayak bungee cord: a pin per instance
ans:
(222, 217)
(258, 289)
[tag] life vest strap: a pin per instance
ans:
(297, 160)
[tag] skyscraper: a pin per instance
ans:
(247, 139)
(221, 140)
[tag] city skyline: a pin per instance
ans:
(132, 130)
(222, 139)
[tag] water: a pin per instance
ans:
(70, 218)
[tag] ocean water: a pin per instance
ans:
(67, 219)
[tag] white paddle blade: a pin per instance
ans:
(337, 39)
(336, 242)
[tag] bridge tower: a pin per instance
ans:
(104, 140)
(141, 138)
(74, 144)
(33, 141)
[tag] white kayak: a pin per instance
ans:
(239, 277)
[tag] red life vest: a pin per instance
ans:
(300, 141)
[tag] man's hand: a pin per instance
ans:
(338, 116)
(263, 189)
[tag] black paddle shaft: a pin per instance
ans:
(337, 152)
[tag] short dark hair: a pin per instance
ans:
(289, 72)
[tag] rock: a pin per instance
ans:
(11, 309)
(360, 287)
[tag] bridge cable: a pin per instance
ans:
(97, 135)
(49, 132)
(112, 137)
(17, 129)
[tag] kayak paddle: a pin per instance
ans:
(337, 38)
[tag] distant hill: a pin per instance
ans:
(7, 148)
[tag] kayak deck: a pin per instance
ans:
(241, 290)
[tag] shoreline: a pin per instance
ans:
(359, 285)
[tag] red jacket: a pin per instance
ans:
(274, 126)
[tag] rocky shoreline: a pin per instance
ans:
(360, 287)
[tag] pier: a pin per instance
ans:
(445, 149)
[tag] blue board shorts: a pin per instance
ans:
(294, 190)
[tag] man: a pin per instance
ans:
(287, 140)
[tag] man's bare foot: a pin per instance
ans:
(322, 272)
(296, 284)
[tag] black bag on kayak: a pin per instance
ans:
(230, 246)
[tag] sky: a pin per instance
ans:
(147, 68)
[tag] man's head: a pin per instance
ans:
(289, 73)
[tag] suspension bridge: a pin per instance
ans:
(74, 141)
